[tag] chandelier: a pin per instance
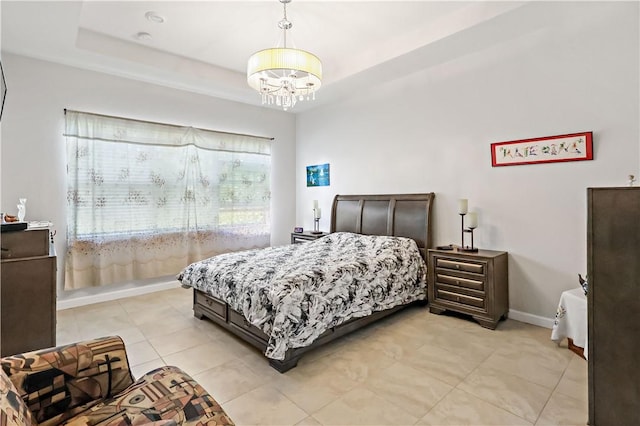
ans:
(284, 75)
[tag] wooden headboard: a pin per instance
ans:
(400, 215)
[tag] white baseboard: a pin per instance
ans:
(114, 295)
(531, 319)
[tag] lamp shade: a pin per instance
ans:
(267, 68)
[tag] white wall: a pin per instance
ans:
(431, 131)
(33, 148)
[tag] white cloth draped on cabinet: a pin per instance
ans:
(147, 199)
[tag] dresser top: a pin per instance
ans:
(469, 254)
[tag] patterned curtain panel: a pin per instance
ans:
(147, 199)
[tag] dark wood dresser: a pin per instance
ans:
(27, 292)
(613, 305)
(471, 283)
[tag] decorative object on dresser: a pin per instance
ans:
(302, 237)
(316, 218)
(475, 283)
(613, 305)
(28, 292)
(463, 206)
(395, 215)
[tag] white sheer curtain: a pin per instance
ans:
(147, 199)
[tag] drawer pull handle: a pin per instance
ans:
(457, 266)
(457, 282)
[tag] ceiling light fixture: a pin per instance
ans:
(154, 17)
(143, 36)
(284, 75)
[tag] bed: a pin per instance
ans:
(287, 300)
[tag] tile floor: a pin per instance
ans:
(412, 368)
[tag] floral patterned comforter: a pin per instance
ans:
(294, 293)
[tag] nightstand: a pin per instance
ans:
(475, 284)
(303, 237)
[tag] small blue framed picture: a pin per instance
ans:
(318, 175)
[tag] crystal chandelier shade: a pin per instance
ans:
(284, 75)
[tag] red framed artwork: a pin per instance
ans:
(549, 149)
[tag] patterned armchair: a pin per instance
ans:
(89, 383)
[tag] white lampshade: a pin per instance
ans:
(473, 220)
(284, 75)
(288, 74)
(462, 206)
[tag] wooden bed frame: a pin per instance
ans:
(402, 215)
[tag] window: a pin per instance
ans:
(145, 199)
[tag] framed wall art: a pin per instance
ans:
(318, 175)
(548, 149)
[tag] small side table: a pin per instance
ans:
(475, 284)
(303, 237)
(571, 321)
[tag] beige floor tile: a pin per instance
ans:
(355, 364)
(150, 315)
(144, 368)
(449, 367)
(309, 421)
(229, 380)
(474, 344)
(387, 342)
(564, 410)
(178, 341)
(409, 388)
(313, 385)
(264, 406)
(91, 328)
(108, 309)
(361, 406)
(130, 335)
(259, 364)
(143, 302)
(65, 316)
(343, 343)
(200, 358)
(521, 397)
(574, 381)
(166, 325)
(534, 367)
(141, 352)
(67, 335)
(461, 408)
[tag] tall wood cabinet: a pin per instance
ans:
(613, 301)
(27, 292)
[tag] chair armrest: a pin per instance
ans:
(57, 383)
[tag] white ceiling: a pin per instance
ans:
(203, 46)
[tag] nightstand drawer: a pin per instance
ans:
(457, 265)
(478, 302)
(460, 282)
